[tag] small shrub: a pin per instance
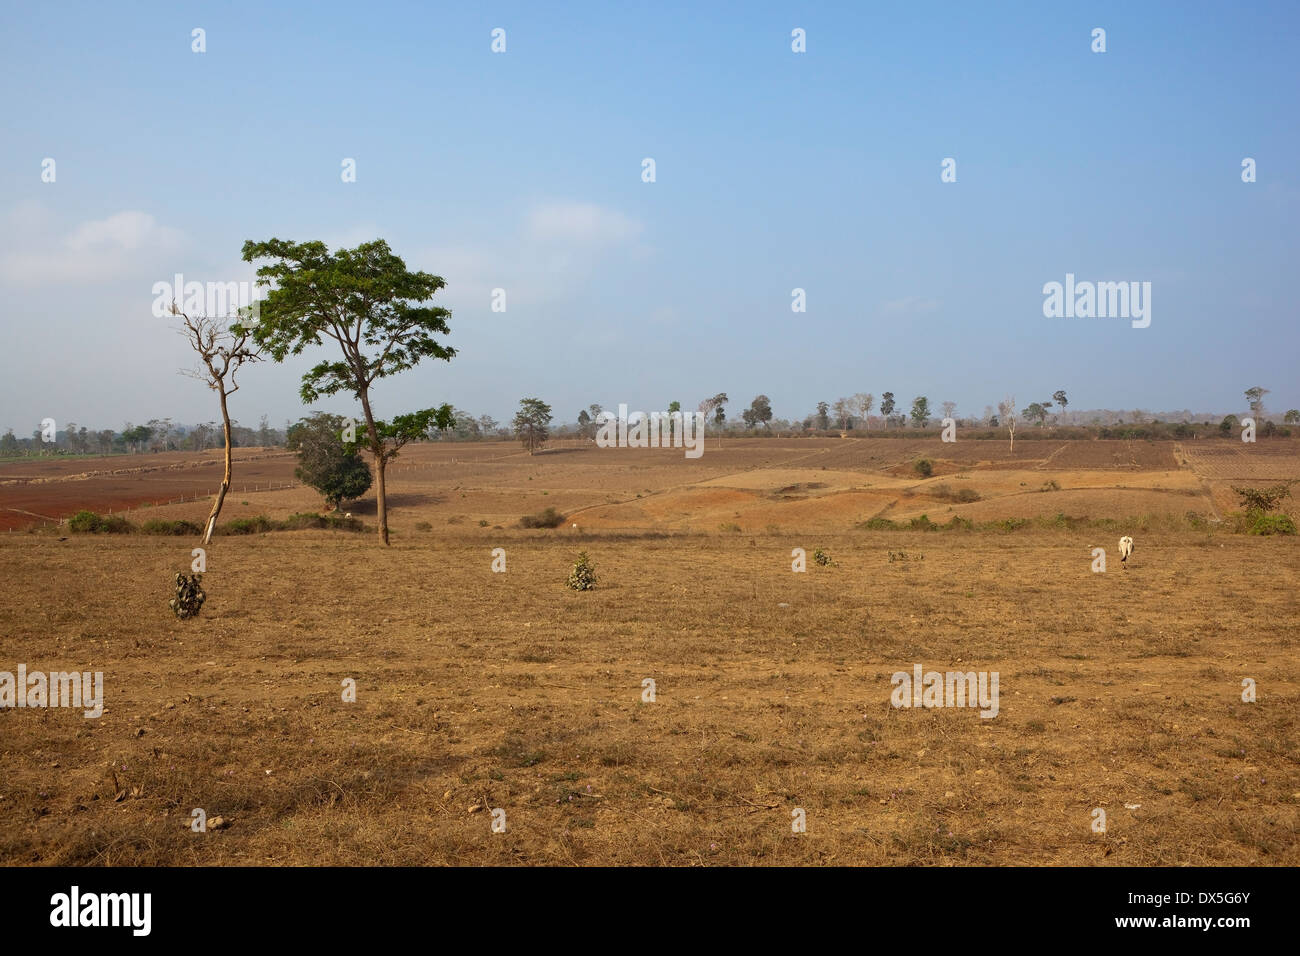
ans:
(84, 522)
(924, 467)
(876, 524)
(257, 525)
(583, 575)
(423, 526)
(958, 523)
(87, 522)
(1271, 524)
(1010, 524)
(189, 596)
(1052, 485)
(1263, 499)
(305, 520)
(728, 526)
(922, 523)
(482, 523)
(550, 518)
(179, 528)
(963, 496)
(822, 558)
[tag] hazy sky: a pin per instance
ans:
(522, 170)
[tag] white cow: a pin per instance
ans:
(1125, 549)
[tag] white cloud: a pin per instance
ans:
(579, 222)
(125, 244)
(555, 252)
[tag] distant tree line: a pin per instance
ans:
(853, 413)
(156, 435)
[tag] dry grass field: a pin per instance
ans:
(478, 690)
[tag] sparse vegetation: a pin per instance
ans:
(548, 518)
(189, 596)
(583, 575)
(87, 522)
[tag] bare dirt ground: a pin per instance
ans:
(479, 691)
(42, 490)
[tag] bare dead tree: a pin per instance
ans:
(224, 347)
(864, 403)
(1007, 415)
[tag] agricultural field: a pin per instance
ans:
(481, 690)
(44, 490)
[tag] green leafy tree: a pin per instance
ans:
(719, 411)
(759, 412)
(326, 461)
(1292, 416)
(1035, 412)
(1229, 424)
(371, 305)
(920, 411)
(1059, 396)
(584, 424)
(886, 406)
(1255, 397)
(532, 423)
(823, 416)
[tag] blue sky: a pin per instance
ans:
(775, 170)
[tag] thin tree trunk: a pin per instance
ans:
(225, 481)
(377, 449)
(382, 498)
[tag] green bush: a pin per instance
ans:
(423, 526)
(728, 526)
(550, 518)
(179, 528)
(924, 467)
(256, 525)
(922, 523)
(822, 558)
(1261, 523)
(306, 520)
(84, 522)
(87, 522)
